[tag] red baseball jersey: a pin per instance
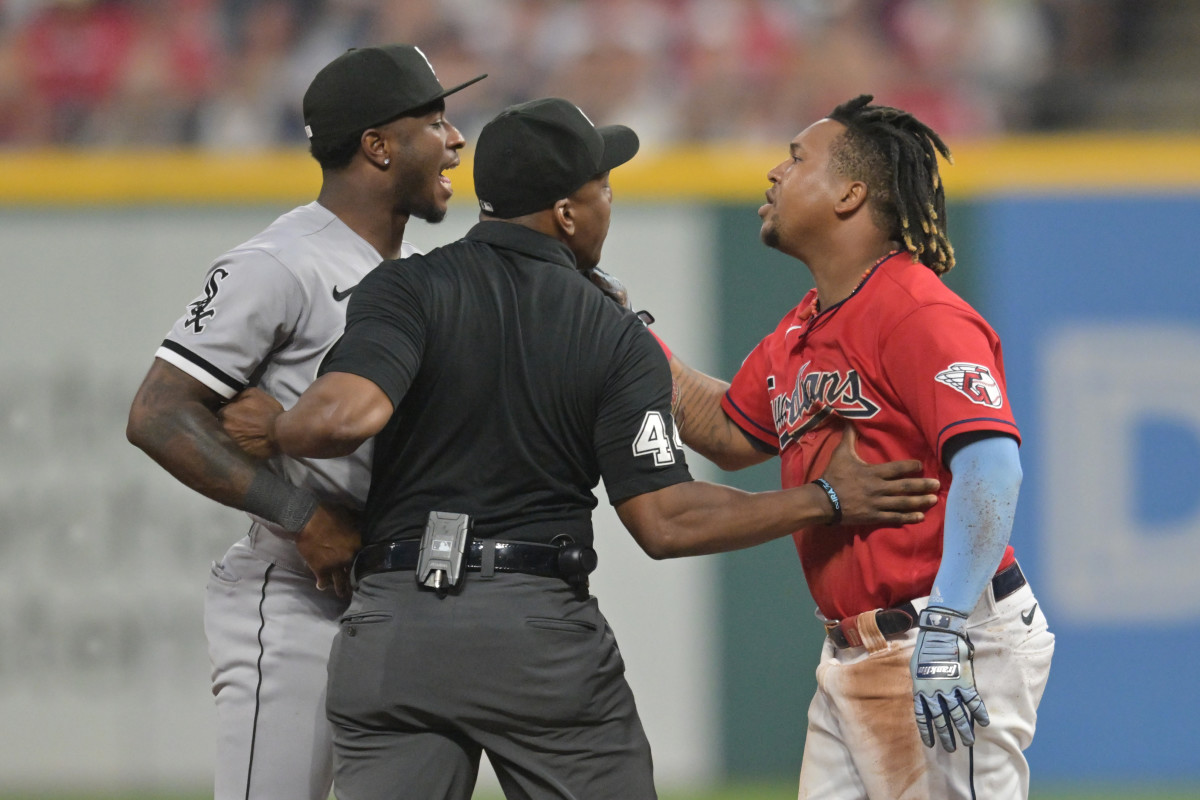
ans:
(912, 365)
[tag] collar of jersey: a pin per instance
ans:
(824, 312)
(530, 243)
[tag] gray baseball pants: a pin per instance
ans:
(269, 632)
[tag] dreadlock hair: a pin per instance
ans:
(895, 154)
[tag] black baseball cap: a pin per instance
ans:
(534, 154)
(369, 86)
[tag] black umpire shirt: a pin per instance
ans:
(517, 385)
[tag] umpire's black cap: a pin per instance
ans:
(370, 86)
(534, 154)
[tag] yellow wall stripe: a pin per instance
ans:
(1039, 165)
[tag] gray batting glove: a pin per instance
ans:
(944, 694)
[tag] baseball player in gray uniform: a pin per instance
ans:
(269, 312)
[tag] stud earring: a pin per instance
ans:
(387, 161)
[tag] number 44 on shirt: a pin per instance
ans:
(652, 439)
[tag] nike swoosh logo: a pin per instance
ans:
(1027, 617)
(340, 296)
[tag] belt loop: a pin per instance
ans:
(487, 559)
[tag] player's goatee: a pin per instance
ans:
(770, 237)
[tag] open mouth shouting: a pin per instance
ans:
(444, 179)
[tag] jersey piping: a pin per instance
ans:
(945, 434)
(179, 356)
(262, 624)
(767, 436)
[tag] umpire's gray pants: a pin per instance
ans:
(518, 666)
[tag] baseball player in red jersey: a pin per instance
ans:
(933, 617)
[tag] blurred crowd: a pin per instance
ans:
(230, 73)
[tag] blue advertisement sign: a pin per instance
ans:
(1097, 302)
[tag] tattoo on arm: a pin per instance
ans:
(173, 420)
(698, 411)
(702, 422)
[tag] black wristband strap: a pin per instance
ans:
(276, 500)
(833, 498)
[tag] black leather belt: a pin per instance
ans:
(482, 555)
(1007, 581)
(902, 618)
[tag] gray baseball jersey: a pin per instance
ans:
(270, 310)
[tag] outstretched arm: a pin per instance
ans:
(696, 405)
(703, 424)
(697, 518)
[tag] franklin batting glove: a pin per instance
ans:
(944, 693)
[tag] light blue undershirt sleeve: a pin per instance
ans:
(979, 516)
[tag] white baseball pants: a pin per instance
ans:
(862, 740)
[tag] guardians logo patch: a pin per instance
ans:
(974, 381)
(815, 396)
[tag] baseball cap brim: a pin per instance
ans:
(445, 93)
(460, 87)
(620, 145)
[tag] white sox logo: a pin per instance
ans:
(975, 382)
(199, 309)
(817, 395)
(422, 55)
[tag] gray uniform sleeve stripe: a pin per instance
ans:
(175, 353)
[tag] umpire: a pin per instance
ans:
(502, 386)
